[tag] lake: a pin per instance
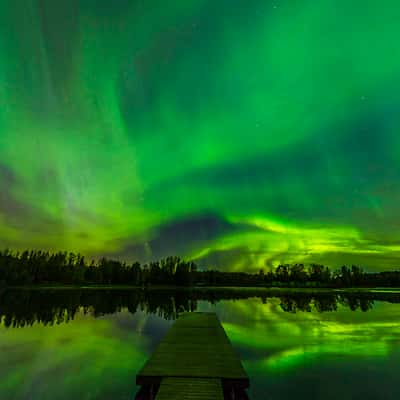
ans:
(89, 344)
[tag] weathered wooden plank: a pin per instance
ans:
(190, 389)
(196, 346)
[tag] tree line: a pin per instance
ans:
(36, 267)
(19, 308)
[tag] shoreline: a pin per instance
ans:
(272, 289)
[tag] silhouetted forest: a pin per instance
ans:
(25, 307)
(41, 268)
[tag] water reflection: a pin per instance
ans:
(19, 308)
(89, 344)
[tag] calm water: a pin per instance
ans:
(90, 344)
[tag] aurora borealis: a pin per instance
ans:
(240, 134)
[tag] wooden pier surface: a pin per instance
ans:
(194, 360)
(190, 389)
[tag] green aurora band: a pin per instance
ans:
(241, 134)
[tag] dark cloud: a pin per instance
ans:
(179, 237)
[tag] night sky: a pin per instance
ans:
(241, 134)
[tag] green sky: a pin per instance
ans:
(242, 134)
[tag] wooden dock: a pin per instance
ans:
(190, 389)
(195, 360)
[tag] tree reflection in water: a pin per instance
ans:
(19, 308)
